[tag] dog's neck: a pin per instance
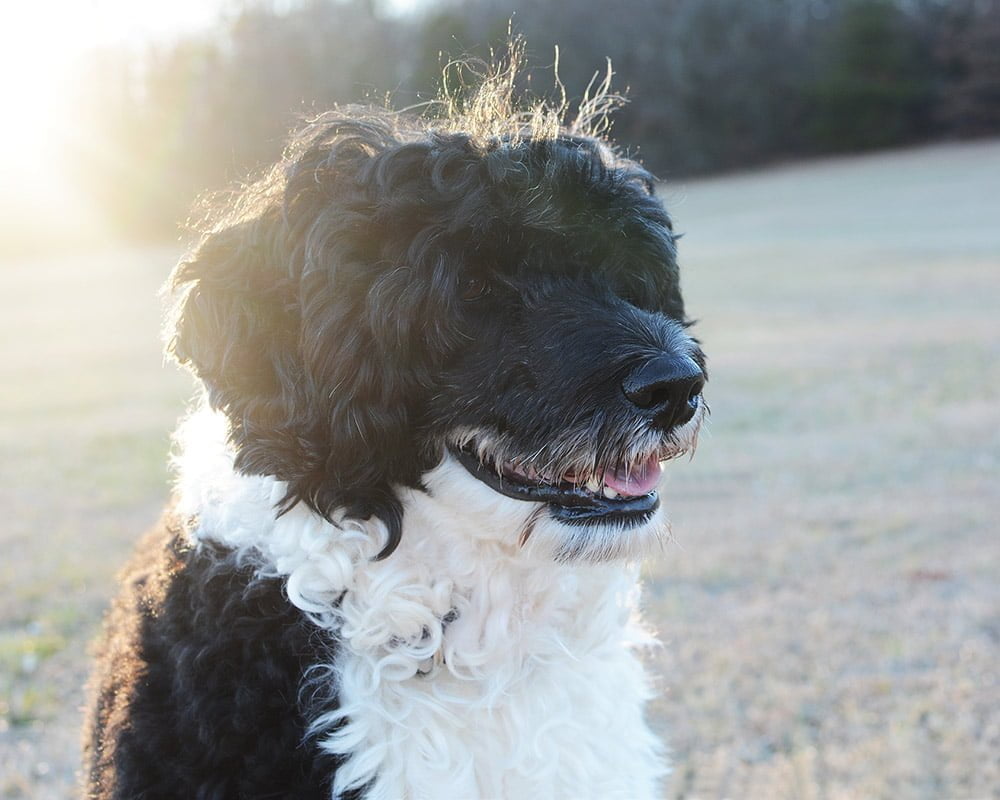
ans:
(459, 568)
(454, 621)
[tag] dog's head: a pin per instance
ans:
(389, 299)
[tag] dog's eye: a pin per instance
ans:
(474, 289)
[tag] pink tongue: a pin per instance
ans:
(639, 480)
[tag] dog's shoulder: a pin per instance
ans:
(201, 681)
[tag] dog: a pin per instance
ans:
(442, 368)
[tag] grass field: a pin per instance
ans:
(830, 602)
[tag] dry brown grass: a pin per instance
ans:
(829, 604)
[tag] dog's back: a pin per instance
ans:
(197, 685)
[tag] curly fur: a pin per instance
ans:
(335, 606)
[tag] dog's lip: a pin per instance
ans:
(570, 502)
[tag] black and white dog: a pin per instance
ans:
(442, 370)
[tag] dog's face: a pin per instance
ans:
(387, 308)
(568, 397)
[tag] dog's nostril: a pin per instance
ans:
(640, 398)
(667, 386)
(658, 396)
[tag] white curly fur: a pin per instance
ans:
(470, 666)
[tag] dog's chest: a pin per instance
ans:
(464, 669)
(530, 691)
(561, 731)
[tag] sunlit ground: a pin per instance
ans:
(829, 603)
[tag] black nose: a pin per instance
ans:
(666, 387)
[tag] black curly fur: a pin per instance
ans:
(380, 288)
(200, 691)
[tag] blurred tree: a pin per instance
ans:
(167, 123)
(969, 58)
(874, 84)
(713, 84)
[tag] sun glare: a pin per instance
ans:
(33, 61)
(43, 47)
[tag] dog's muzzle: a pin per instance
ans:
(659, 395)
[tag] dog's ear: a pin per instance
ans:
(236, 325)
(289, 316)
(234, 320)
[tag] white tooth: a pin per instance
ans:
(611, 494)
(594, 485)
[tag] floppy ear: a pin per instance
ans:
(281, 312)
(235, 325)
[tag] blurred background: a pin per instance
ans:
(830, 600)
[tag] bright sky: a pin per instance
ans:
(41, 42)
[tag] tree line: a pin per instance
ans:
(712, 84)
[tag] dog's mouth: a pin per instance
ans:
(623, 494)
